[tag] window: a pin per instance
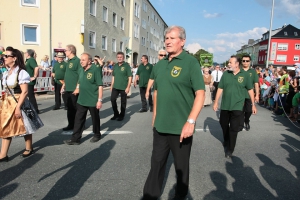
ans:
(285, 33)
(147, 35)
(32, 3)
(113, 45)
(297, 46)
(296, 33)
(143, 41)
(121, 46)
(105, 14)
(115, 19)
(92, 39)
(31, 34)
(136, 10)
(122, 23)
(296, 58)
(93, 7)
(281, 58)
(123, 3)
(145, 6)
(104, 42)
(136, 30)
(144, 24)
(282, 47)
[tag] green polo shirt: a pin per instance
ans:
(59, 70)
(295, 99)
(144, 72)
(253, 78)
(234, 87)
(73, 70)
(100, 67)
(30, 65)
(176, 83)
(121, 75)
(89, 82)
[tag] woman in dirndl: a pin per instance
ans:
(12, 119)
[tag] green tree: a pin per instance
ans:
(197, 54)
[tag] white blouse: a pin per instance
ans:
(11, 79)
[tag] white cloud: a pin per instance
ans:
(211, 15)
(226, 44)
(193, 48)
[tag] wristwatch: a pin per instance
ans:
(99, 100)
(191, 121)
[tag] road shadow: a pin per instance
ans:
(279, 179)
(246, 184)
(214, 127)
(221, 192)
(10, 174)
(80, 170)
(288, 124)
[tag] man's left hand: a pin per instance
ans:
(254, 111)
(187, 131)
(127, 90)
(99, 105)
(76, 91)
(256, 99)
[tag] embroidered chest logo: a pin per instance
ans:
(176, 71)
(70, 65)
(61, 66)
(240, 79)
(89, 75)
(122, 68)
(250, 74)
(147, 68)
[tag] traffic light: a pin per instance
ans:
(128, 52)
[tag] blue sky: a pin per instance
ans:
(223, 26)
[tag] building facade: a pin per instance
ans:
(99, 27)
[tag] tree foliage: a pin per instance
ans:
(197, 54)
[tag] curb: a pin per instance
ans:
(52, 96)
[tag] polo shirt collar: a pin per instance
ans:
(180, 56)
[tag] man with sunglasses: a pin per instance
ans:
(246, 60)
(161, 54)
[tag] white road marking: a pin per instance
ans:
(103, 132)
(207, 129)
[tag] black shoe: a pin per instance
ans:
(114, 117)
(27, 155)
(228, 154)
(177, 197)
(120, 118)
(151, 109)
(142, 110)
(38, 112)
(70, 142)
(5, 159)
(67, 128)
(247, 126)
(56, 108)
(128, 97)
(95, 139)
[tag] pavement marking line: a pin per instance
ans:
(207, 129)
(103, 132)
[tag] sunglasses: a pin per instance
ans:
(246, 60)
(162, 54)
(6, 56)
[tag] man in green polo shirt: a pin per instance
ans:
(120, 84)
(58, 73)
(143, 74)
(69, 87)
(90, 98)
(33, 71)
(233, 84)
(178, 99)
(246, 60)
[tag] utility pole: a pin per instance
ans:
(270, 36)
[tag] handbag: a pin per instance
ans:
(33, 118)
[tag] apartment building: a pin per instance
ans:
(100, 27)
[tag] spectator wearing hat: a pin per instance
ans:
(297, 69)
(58, 74)
(54, 60)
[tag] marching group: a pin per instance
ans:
(180, 91)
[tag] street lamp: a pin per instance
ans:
(270, 35)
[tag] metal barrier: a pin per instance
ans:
(43, 81)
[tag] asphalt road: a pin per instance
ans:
(265, 164)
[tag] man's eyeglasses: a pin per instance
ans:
(162, 55)
(6, 56)
(246, 60)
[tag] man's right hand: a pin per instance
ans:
(147, 95)
(215, 107)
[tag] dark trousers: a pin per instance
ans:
(162, 144)
(231, 122)
(31, 97)
(57, 88)
(247, 110)
(80, 119)
(216, 84)
(71, 101)
(143, 98)
(113, 98)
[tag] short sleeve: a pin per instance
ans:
(255, 78)
(34, 63)
(221, 83)
(138, 71)
(249, 85)
(152, 75)
(98, 76)
(196, 77)
(129, 73)
(23, 77)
